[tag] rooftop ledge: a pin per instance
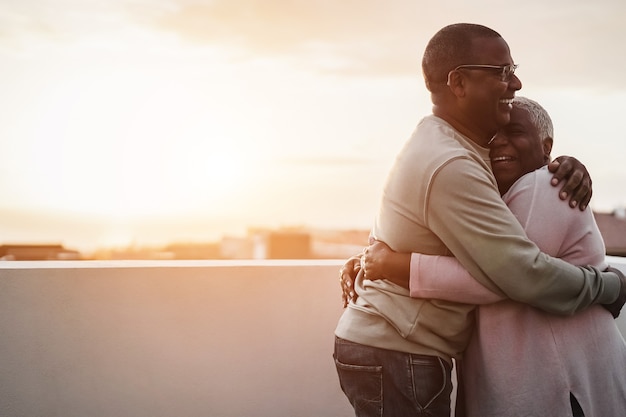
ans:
(171, 338)
(617, 260)
(77, 264)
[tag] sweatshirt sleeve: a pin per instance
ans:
(444, 278)
(465, 210)
(548, 221)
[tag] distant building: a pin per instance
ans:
(262, 243)
(613, 229)
(288, 245)
(239, 248)
(338, 244)
(192, 251)
(37, 253)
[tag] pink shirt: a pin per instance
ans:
(522, 361)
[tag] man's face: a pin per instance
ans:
(488, 97)
(516, 150)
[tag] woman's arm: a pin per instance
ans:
(438, 277)
(444, 278)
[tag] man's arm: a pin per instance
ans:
(577, 187)
(570, 235)
(558, 231)
(467, 214)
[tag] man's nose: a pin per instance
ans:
(515, 83)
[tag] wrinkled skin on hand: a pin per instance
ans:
(373, 260)
(577, 186)
(347, 275)
(377, 261)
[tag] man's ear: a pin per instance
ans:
(547, 148)
(456, 83)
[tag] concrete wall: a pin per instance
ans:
(169, 339)
(151, 339)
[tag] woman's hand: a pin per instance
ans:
(379, 261)
(347, 275)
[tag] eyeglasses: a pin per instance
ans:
(505, 71)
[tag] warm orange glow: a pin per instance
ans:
(126, 140)
(203, 119)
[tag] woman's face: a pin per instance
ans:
(517, 149)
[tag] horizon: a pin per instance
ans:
(90, 235)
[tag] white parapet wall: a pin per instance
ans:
(163, 339)
(131, 339)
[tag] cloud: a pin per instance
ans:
(576, 46)
(557, 43)
(66, 21)
(328, 161)
(348, 37)
(276, 26)
(574, 38)
(16, 21)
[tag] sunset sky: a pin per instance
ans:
(150, 121)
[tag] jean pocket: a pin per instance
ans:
(431, 380)
(363, 385)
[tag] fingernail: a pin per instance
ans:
(573, 203)
(554, 181)
(563, 195)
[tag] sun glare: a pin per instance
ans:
(133, 140)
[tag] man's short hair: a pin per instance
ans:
(450, 47)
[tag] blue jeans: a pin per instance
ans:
(386, 383)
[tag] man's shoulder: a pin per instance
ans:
(436, 140)
(435, 149)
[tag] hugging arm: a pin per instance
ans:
(443, 277)
(566, 170)
(488, 240)
(426, 276)
(575, 178)
(571, 235)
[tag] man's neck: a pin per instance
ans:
(464, 127)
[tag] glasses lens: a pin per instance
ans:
(508, 71)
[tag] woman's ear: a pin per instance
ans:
(547, 148)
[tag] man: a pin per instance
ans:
(521, 361)
(393, 353)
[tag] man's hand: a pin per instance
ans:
(616, 307)
(347, 275)
(578, 181)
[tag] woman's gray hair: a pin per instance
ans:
(538, 116)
